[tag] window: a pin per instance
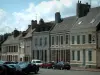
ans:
(78, 55)
(73, 55)
(40, 41)
(89, 38)
(52, 40)
(56, 40)
(78, 39)
(61, 40)
(83, 40)
(35, 41)
(66, 39)
(92, 20)
(90, 55)
(45, 41)
(73, 39)
(80, 22)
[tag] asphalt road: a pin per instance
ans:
(64, 72)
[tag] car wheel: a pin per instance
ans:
(68, 68)
(47, 67)
(36, 72)
(61, 68)
(53, 67)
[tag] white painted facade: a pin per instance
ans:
(84, 48)
(41, 51)
(10, 52)
(60, 51)
(28, 48)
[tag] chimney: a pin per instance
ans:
(16, 33)
(57, 17)
(82, 9)
(33, 23)
(24, 33)
(41, 21)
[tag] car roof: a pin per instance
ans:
(36, 60)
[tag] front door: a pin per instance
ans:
(84, 56)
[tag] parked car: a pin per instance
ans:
(8, 62)
(27, 67)
(2, 70)
(61, 66)
(36, 62)
(47, 65)
(43, 65)
(9, 70)
(17, 69)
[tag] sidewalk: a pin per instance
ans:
(85, 69)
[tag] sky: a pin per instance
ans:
(19, 13)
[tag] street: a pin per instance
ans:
(64, 72)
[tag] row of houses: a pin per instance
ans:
(75, 39)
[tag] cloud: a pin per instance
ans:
(45, 10)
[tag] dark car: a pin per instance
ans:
(61, 66)
(27, 67)
(8, 62)
(12, 69)
(2, 70)
(9, 69)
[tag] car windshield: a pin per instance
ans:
(38, 61)
(2, 62)
(23, 64)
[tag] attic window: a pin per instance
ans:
(92, 20)
(80, 22)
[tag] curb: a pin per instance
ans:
(85, 70)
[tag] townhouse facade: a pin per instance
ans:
(40, 41)
(83, 38)
(10, 48)
(60, 44)
(27, 39)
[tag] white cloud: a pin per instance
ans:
(45, 10)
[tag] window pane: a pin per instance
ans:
(45, 40)
(78, 55)
(66, 39)
(73, 54)
(89, 38)
(56, 40)
(35, 41)
(90, 55)
(61, 40)
(78, 39)
(52, 40)
(83, 39)
(73, 38)
(40, 41)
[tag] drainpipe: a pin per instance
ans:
(49, 47)
(96, 49)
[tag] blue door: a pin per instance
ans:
(84, 56)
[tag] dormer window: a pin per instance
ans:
(80, 22)
(92, 20)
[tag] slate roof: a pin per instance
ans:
(29, 34)
(65, 25)
(90, 20)
(12, 40)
